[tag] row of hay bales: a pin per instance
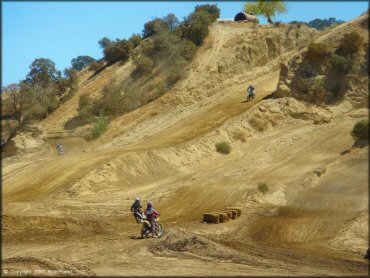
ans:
(221, 216)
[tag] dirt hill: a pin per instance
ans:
(311, 221)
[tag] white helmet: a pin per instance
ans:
(138, 199)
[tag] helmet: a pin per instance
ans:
(149, 205)
(138, 199)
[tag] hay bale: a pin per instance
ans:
(234, 213)
(229, 214)
(226, 215)
(223, 217)
(211, 217)
(235, 208)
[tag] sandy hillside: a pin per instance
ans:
(72, 212)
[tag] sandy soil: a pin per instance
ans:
(72, 214)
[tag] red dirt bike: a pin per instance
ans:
(146, 229)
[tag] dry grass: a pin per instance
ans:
(239, 135)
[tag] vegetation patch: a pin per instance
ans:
(239, 135)
(262, 187)
(100, 125)
(360, 130)
(223, 147)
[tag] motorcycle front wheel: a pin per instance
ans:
(159, 230)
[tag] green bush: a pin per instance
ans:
(361, 130)
(317, 52)
(111, 103)
(96, 66)
(196, 27)
(152, 26)
(212, 10)
(85, 108)
(223, 147)
(143, 63)
(81, 62)
(187, 49)
(177, 72)
(120, 51)
(100, 125)
(263, 187)
(135, 40)
(350, 44)
(340, 64)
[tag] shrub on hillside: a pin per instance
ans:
(120, 51)
(96, 66)
(177, 72)
(340, 64)
(223, 147)
(111, 103)
(105, 42)
(239, 135)
(152, 26)
(196, 27)
(187, 49)
(212, 10)
(100, 125)
(317, 52)
(85, 108)
(350, 44)
(135, 40)
(81, 62)
(263, 187)
(144, 64)
(361, 130)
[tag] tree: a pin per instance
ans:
(150, 26)
(265, 8)
(42, 72)
(15, 102)
(171, 21)
(119, 51)
(81, 61)
(350, 44)
(213, 10)
(196, 27)
(105, 42)
(43, 99)
(135, 40)
(360, 130)
(321, 24)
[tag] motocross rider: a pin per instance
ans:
(136, 209)
(151, 214)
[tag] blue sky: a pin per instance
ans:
(62, 31)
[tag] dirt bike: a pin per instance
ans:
(60, 150)
(250, 96)
(146, 229)
(138, 215)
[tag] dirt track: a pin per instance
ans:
(72, 212)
